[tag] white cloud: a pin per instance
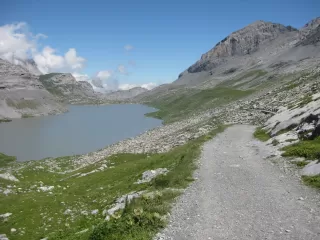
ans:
(128, 47)
(81, 77)
(149, 86)
(48, 61)
(127, 86)
(104, 75)
(18, 43)
(73, 61)
(122, 69)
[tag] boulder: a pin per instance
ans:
(312, 169)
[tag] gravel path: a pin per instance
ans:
(240, 195)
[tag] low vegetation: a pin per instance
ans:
(261, 134)
(309, 149)
(22, 104)
(75, 203)
(305, 100)
(5, 120)
(312, 181)
(5, 160)
(243, 79)
(178, 106)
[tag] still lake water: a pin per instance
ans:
(81, 130)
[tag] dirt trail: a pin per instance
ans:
(240, 195)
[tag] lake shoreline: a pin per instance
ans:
(104, 125)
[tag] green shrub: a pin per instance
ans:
(313, 181)
(309, 149)
(261, 134)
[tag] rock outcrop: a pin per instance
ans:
(68, 89)
(125, 94)
(23, 95)
(242, 42)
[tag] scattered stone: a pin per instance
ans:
(121, 203)
(68, 211)
(13, 230)
(95, 212)
(3, 237)
(46, 188)
(83, 231)
(9, 177)
(147, 176)
(5, 216)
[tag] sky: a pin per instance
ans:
(132, 42)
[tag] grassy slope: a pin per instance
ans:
(178, 106)
(45, 80)
(5, 160)
(37, 214)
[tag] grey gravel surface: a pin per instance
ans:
(239, 194)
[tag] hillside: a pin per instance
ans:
(261, 56)
(68, 89)
(23, 95)
(126, 190)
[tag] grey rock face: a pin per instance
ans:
(309, 27)
(125, 94)
(22, 94)
(242, 42)
(312, 37)
(67, 88)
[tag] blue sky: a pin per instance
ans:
(167, 36)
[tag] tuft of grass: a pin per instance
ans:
(300, 163)
(305, 100)
(275, 142)
(5, 120)
(313, 181)
(261, 134)
(25, 115)
(5, 159)
(309, 149)
(22, 104)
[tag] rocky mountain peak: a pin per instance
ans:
(242, 42)
(247, 39)
(308, 28)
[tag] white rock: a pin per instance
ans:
(5, 215)
(13, 230)
(312, 169)
(94, 212)
(9, 177)
(68, 211)
(147, 176)
(46, 188)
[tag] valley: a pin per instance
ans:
(265, 75)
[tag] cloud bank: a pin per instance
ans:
(18, 44)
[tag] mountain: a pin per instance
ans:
(254, 59)
(125, 94)
(23, 95)
(68, 89)
(240, 43)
